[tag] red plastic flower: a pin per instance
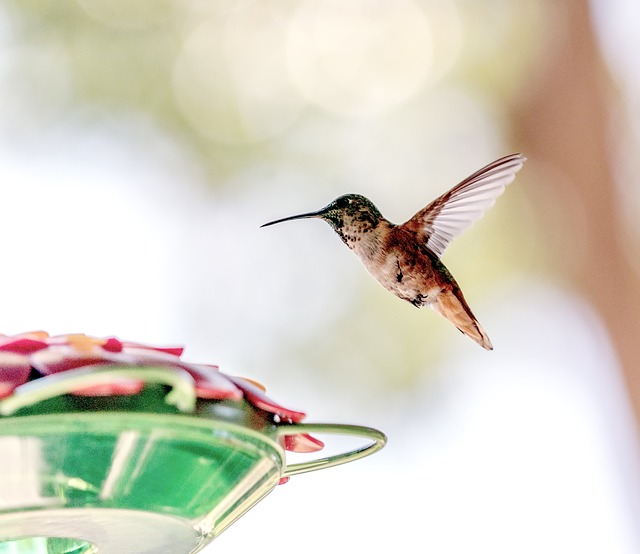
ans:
(21, 354)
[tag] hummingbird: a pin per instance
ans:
(405, 259)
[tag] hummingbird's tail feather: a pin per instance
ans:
(452, 305)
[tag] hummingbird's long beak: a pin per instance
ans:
(292, 217)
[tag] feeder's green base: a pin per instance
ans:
(134, 474)
(127, 482)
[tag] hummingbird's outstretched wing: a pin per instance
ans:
(453, 212)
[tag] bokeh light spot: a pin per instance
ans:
(359, 57)
(231, 81)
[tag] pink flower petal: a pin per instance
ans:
(211, 384)
(61, 358)
(173, 350)
(256, 397)
(302, 443)
(14, 371)
(21, 345)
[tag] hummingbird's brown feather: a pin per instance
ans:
(456, 210)
(415, 274)
(451, 304)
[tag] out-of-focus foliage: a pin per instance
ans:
(246, 81)
(392, 99)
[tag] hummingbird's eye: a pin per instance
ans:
(343, 202)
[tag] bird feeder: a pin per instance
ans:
(112, 447)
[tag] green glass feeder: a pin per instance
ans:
(153, 472)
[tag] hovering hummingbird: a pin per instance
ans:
(405, 259)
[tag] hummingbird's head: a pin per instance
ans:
(351, 212)
(348, 215)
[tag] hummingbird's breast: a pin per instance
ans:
(367, 242)
(402, 265)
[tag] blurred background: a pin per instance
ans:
(142, 144)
